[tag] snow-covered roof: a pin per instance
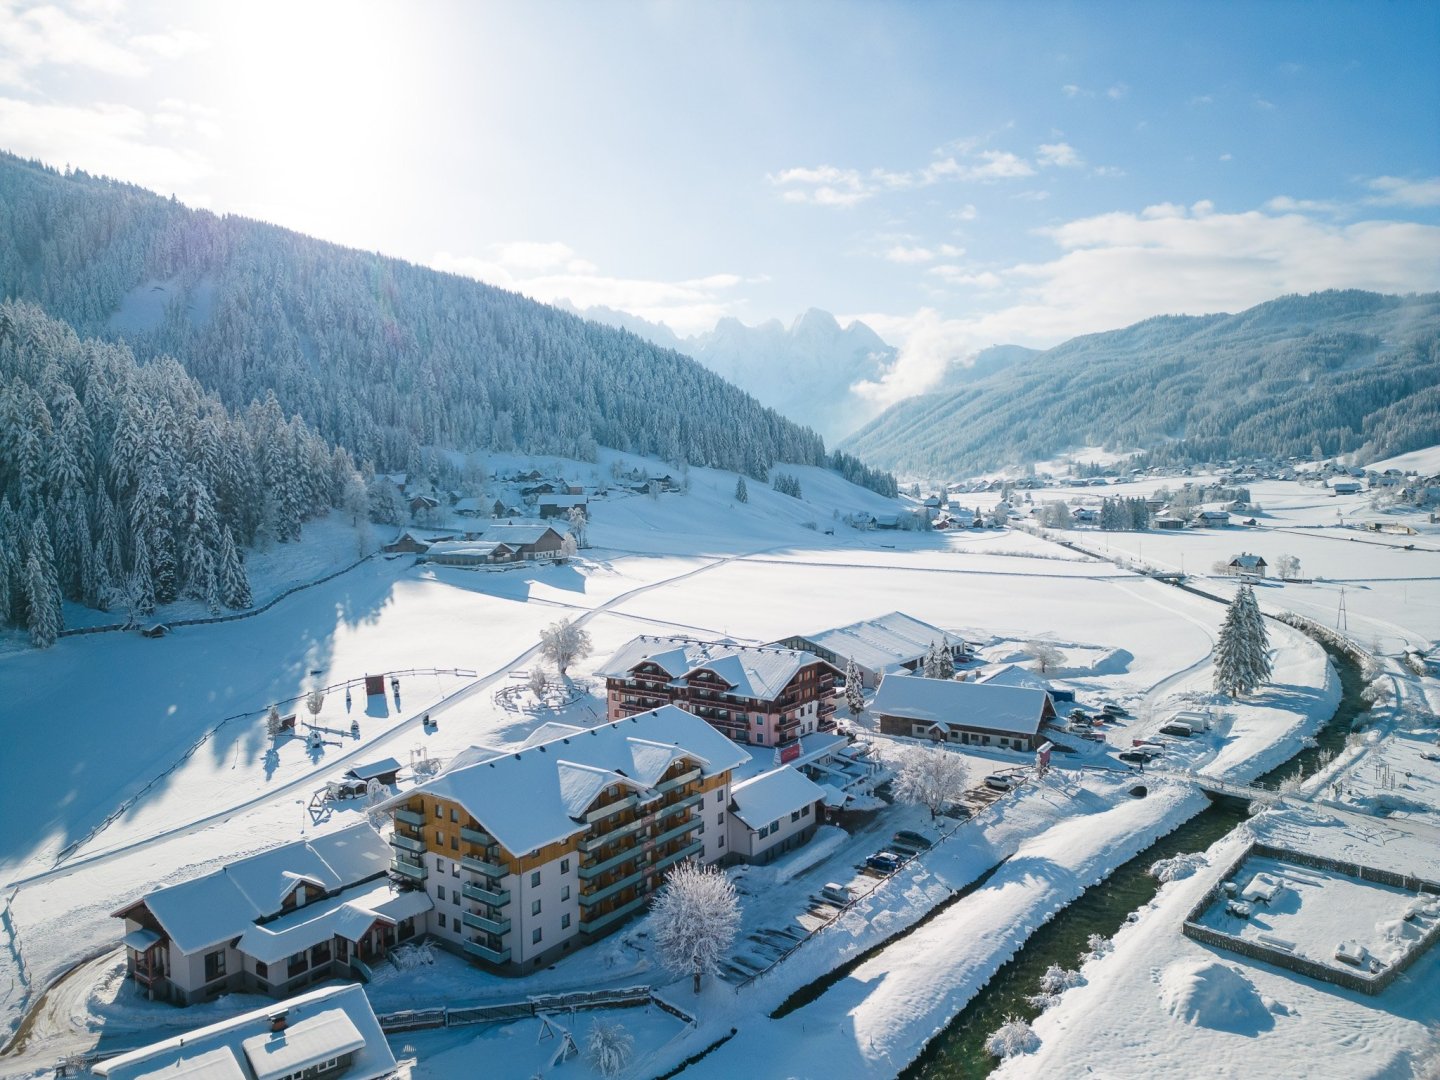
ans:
(375, 768)
(547, 732)
(1016, 709)
(538, 794)
(515, 535)
(1247, 561)
(751, 671)
(773, 795)
(562, 500)
(481, 549)
(881, 643)
(226, 903)
(349, 915)
(1013, 675)
(319, 1025)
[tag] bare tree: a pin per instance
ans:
(563, 643)
(314, 702)
(1288, 567)
(608, 1047)
(568, 548)
(695, 918)
(930, 776)
(537, 682)
(579, 519)
(1046, 655)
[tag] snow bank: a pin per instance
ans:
(1207, 993)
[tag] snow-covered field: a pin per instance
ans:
(113, 718)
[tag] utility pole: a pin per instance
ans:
(1342, 621)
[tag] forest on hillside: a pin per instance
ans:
(377, 355)
(1309, 376)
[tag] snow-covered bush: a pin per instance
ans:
(608, 1047)
(1053, 983)
(1096, 946)
(1177, 867)
(1015, 1036)
(537, 682)
(410, 957)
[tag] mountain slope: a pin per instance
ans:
(804, 370)
(1330, 373)
(378, 355)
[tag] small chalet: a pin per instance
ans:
(1084, 515)
(539, 542)
(1167, 521)
(385, 771)
(468, 507)
(1214, 518)
(553, 506)
(1246, 564)
(468, 553)
(773, 813)
(1345, 487)
(273, 923)
(421, 503)
(328, 1032)
(967, 713)
(407, 543)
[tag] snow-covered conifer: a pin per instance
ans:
(43, 614)
(1242, 657)
(234, 583)
(854, 689)
(741, 495)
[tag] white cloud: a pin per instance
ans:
(171, 44)
(47, 35)
(1284, 204)
(1117, 91)
(552, 271)
(1060, 154)
(1115, 269)
(1070, 90)
(1397, 191)
(902, 254)
(965, 213)
(830, 185)
(112, 140)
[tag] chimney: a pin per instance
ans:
(278, 1021)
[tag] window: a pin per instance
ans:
(454, 843)
(214, 965)
(455, 897)
(535, 936)
(439, 838)
(795, 815)
(760, 738)
(565, 893)
(535, 879)
(805, 810)
(262, 969)
(439, 866)
(564, 866)
(535, 907)
(438, 816)
(440, 892)
(454, 869)
(565, 921)
(720, 818)
(774, 826)
(454, 817)
(722, 841)
(442, 920)
(718, 796)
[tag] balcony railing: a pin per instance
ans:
(410, 817)
(484, 952)
(493, 897)
(409, 843)
(590, 899)
(480, 866)
(610, 809)
(599, 922)
(414, 871)
(475, 836)
(596, 842)
(678, 781)
(498, 927)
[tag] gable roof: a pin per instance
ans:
(752, 671)
(1013, 675)
(1014, 709)
(886, 641)
(765, 798)
(538, 794)
(226, 903)
(514, 535)
(319, 1025)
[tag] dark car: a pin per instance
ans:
(913, 838)
(887, 862)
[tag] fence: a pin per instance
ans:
(1364, 982)
(456, 1016)
(111, 627)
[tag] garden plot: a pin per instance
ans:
(1320, 915)
(1399, 779)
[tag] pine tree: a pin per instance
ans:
(234, 583)
(741, 495)
(43, 616)
(944, 660)
(854, 690)
(1242, 657)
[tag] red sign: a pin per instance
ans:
(789, 752)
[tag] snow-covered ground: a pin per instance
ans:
(113, 718)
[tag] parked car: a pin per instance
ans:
(836, 893)
(999, 782)
(887, 862)
(1111, 709)
(1133, 757)
(913, 838)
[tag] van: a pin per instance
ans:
(836, 893)
(1178, 727)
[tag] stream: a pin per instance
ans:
(958, 1053)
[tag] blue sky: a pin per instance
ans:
(955, 174)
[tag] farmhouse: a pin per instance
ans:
(893, 642)
(468, 553)
(971, 714)
(524, 856)
(1247, 564)
(764, 695)
(1215, 518)
(327, 1032)
(553, 506)
(273, 923)
(540, 542)
(408, 543)
(1346, 487)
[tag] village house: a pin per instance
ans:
(330, 1032)
(407, 543)
(272, 923)
(1247, 565)
(1346, 487)
(1214, 518)
(553, 506)
(888, 643)
(468, 553)
(773, 813)
(537, 542)
(966, 713)
(762, 695)
(523, 856)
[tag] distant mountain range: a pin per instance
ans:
(804, 371)
(1314, 376)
